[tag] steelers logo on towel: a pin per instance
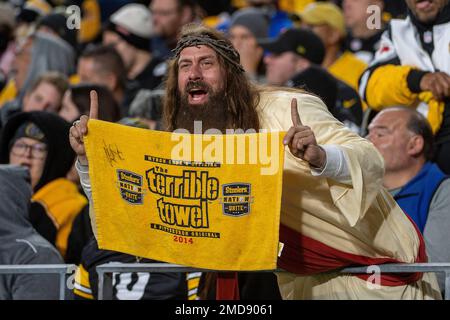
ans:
(130, 186)
(236, 199)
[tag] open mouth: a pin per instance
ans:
(197, 94)
(424, 5)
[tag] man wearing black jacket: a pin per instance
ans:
(412, 68)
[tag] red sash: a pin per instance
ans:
(305, 256)
(227, 286)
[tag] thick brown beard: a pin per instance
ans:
(213, 114)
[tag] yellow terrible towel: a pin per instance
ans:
(206, 201)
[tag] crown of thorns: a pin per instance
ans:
(222, 47)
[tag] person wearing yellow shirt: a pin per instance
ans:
(327, 21)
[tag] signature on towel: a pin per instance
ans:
(113, 154)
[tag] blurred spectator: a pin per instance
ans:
(279, 19)
(169, 16)
(412, 68)
(77, 103)
(7, 25)
(20, 244)
(327, 21)
(40, 53)
(39, 141)
(247, 26)
(294, 60)
(56, 23)
(103, 65)
(45, 94)
(29, 16)
(129, 31)
(361, 39)
(405, 140)
(292, 52)
(146, 110)
(317, 80)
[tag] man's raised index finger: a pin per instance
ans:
(294, 113)
(93, 112)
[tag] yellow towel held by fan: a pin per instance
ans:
(206, 201)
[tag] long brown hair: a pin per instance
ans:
(240, 96)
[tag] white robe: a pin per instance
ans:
(359, 217)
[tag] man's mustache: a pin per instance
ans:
(197, 85)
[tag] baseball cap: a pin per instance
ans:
(300, 41)
(324, 13)
(133, 22)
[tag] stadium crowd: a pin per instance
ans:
(382, 68)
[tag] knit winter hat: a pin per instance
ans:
(28, 130)
(134, 24)
(58, 23)
(253, 19)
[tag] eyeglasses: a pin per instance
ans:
(38, 151)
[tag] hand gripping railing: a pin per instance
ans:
(105, 284)
(61, 269)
